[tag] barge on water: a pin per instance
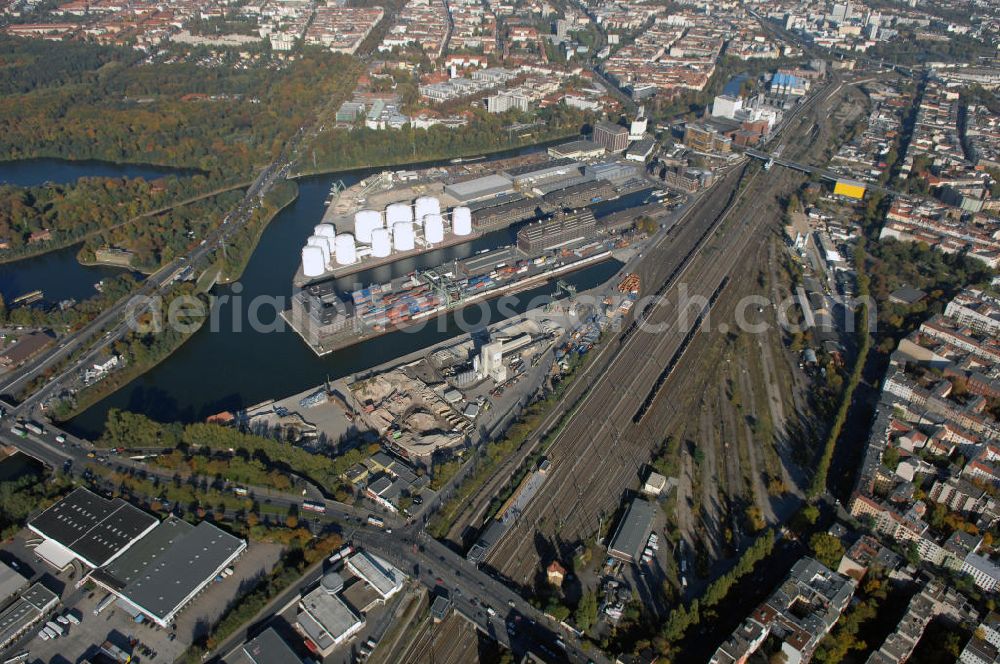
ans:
(328, 320)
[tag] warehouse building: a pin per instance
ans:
(478, 188)
(612, 171)
(641, 150)
(559, 231)
(86, 527)
(580, 149)
(530, 175)
(169, 567)
(630, 538)
(27, 611)
(613, 137)
(502, 211)
(12, 583)
(267, 648)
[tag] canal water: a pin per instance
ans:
(231, 366)
(732, 86)
(32, 172)
(58, 274)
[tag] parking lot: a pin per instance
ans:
(145, 641)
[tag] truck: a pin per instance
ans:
(376, 521)
(70, 616)
(55, 627)
(115, 653)
(34, 428)
(103, 604)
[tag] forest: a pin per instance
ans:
(106, 105)
(51, 216)
(362, 147)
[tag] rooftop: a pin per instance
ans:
(326, 619)
(385, 578)
(267, 648)
(162, 571)
(93, 528)
(630, 538)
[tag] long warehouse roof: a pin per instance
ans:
(95, 529)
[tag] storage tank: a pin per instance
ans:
(434, 228)
(325, 230)
(381, 245)
(313, 264)
(461, 221)
(402, 236)
(365, 221)
(398, 212)
(346, 252)
(321, 242)
(426, 205)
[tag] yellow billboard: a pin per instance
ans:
(849, 189)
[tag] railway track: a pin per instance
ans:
(589, 480)
(600, 453)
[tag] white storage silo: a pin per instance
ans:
(461, 221)
(313, 264)
(402, 236)
(433, 228)
(398, 212)
(365, 221)
(346, 252)
(321, 243)
(381, 245)
(426, 205)
(325, 230)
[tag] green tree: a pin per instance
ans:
(827, 549)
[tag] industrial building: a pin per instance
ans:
(376, 572)
(580, 194)
(27, 611)
(331, 614)
(86, 527)
(702, 138)
(613, 137)
(12, 582)
(319, 312)
(633, 531)
(616, 172)
(580, 149)
(167, 568)
(502, 211)
(531, 175)
(154, 568)
(478, 188)
(326, 620)
(266, 648)
(559, 231)
(640, 150)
